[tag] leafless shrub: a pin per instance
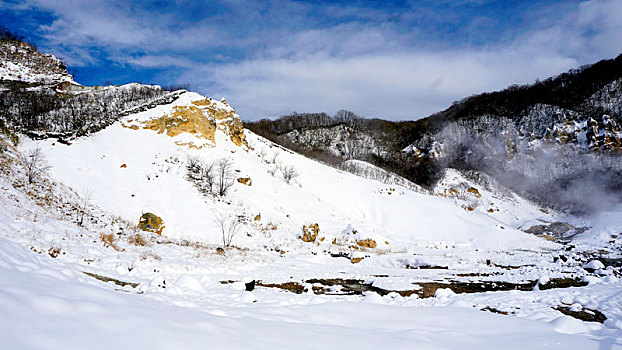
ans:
(147, 255)
(138, 239)
(273, 158)
(262, 153)
(211, 177)
(289, 173)
(54, 252)
(229, 225)
(84, 202)
(268, 227)
(207, 176)
(192, 163)
(109, 241)
(35, 164)
(224, 176)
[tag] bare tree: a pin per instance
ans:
(224, 176)
(207, 175)
(289, 173)
(193, 163)
(274, 157)
(83, 204)
(35, 164)
(229, 225)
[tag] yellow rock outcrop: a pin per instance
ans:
(199, 119)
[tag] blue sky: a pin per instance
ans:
(391, 59)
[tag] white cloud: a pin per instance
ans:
(372, 68)
(158, 61)
(367, 72)
(396, 86)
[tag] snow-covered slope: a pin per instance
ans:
(382, 272)
(133, 169)
(163, 293)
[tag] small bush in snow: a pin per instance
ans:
(193, 163)
(230, 226)
(289, 173)
(138, 240)
(211, 177)
(224, 176)
(54, 252)
(83, 204)
(109, 241)
(273, 158)
(35, 164)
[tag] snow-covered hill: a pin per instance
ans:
(262, 248)
(140, 165)
(141, 289)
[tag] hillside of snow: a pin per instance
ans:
(131, 170)
(161, 292)
(72, 256)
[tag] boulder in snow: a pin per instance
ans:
(367, 243)
(151, 223)
(309, 233)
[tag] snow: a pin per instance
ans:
(594, 265)
(155, 181)
(43, 310)
(188, 296)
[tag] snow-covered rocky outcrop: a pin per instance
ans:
(340, 140)
(192, 121)
(19, 61)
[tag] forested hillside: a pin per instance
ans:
(38, 96)
(556, 141)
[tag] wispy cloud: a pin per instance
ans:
(271, 58)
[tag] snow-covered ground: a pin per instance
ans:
(185, 294)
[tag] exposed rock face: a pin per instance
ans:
(194, 122)
(151, 223)
(309, 233)
(339, 140)
(540, 123)
(185, 120)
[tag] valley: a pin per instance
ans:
(161, 222)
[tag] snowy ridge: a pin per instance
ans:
(19, 61)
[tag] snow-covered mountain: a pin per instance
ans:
(140, 164)
(167, 225)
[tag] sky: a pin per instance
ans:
(398, 60)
